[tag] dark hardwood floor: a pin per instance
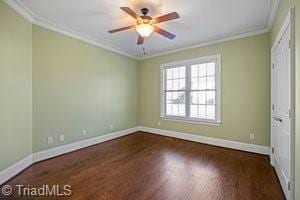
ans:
(144, 166)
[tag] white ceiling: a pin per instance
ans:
(200, 21)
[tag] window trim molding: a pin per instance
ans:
(218, 121)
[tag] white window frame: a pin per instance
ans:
(188, 63)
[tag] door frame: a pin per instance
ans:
(289, 21)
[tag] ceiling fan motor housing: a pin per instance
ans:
(145, 11)
(144, 19)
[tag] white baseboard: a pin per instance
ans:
(11, 171)
(46, 154)
(209, 140)
(16, 168)
(49, 153)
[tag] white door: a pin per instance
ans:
(281, 120)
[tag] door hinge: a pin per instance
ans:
(289, 186)
(290, 113)
(273, 107)
(289, 43)
(272, 149)
(273, 66)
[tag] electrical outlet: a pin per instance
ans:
(61, 138)
(252, 136)
(158, 123)
(83, 132)
(50, 140)
(111, 127)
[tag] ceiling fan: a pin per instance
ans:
(145, 24)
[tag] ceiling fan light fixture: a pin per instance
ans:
(145, 24)
(144, 30)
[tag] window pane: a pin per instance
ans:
(175, 84)
(182, 72)
(210, 113)
(175, 109)
(169, 85)
(210, 82)
(194, 97)
(181, 84)
(169, 109)
(202, 70)
(201, 98)
(169, 73)
(210, 69)
(194, 83)
(175, 73)
(175, 104)
(181, 98)
(194, 71)
(211, 97)
(169, 97)
(202, 83)
(182, 110)
(194, 111)
(175, 97)
(201, 111)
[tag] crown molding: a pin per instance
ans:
(20, 8)
(273, 7)
(76, 35)
(227, 39)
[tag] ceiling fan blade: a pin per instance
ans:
(140, 40)
(129, 11)
(164, 33)
(167, 17)
(121, 29)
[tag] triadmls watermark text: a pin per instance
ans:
(34, 191)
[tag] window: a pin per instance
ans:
(191, 90)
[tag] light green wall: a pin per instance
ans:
(79, 86)
(245, 90)
(15, 87)
(283, 10)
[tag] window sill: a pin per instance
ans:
(190, 121)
